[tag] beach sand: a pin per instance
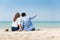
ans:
(43, 34)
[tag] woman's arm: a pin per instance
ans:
(19, 24)
(20, 27)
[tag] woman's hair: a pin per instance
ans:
(17, 15)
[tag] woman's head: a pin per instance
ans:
(17, 15)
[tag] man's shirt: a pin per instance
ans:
(27, 23)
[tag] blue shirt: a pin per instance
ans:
(27, 23)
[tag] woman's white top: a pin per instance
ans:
(16, 23)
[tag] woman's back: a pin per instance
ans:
(15, 24)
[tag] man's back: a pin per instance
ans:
(27, 24)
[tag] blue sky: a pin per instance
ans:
(46, 10)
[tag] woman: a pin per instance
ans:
(16, 23)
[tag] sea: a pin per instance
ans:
(37, 24)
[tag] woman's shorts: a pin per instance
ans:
(15, 28)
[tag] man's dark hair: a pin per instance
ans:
(23, 14)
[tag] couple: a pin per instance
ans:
(22, 23)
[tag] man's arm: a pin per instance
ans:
(33, 17)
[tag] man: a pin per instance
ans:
(26, 22)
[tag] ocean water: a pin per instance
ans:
(37, 24)
(47, 24)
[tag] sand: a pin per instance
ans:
(43, 34)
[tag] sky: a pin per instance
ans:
(46, 10)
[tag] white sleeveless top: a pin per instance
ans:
(16, 23)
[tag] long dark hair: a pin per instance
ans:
(17, 15)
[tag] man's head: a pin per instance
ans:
(23, 14)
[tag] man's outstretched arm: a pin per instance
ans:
(33, 17)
